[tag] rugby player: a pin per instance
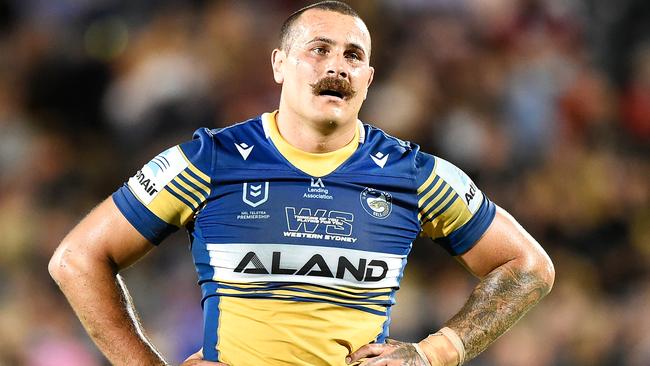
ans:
(301, 221)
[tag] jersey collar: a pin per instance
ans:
(316, 165)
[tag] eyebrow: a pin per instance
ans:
(333, 43)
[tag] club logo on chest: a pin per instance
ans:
(376, 203)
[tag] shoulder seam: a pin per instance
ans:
(403, 143)
(218, 131)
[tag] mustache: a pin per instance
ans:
(332, 86)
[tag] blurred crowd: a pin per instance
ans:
(545, 103)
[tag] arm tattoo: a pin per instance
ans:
(499, 300)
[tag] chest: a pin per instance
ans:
(339, 211)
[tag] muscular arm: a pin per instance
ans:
(515, 274)
(86, 266)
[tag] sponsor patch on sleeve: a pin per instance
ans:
(154, 176)
(461, 183)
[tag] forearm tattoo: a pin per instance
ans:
(499, 300)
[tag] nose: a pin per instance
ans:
(336, 67)
(340, 73)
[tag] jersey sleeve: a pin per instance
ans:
(164, 195)
(451, 209)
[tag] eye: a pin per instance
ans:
(354, 56)
(320, 50)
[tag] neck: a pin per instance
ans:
(314, 136)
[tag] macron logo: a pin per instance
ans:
(244, 149)
(380, 159)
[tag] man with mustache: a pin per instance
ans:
(295, 265)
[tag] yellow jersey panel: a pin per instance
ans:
(254, 332)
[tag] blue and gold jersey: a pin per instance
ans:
(299, 255)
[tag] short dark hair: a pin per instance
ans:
(329, 5)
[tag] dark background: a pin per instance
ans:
(545, 103)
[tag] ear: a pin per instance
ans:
(277, 63)
(372, 75)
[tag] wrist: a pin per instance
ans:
(443, 348)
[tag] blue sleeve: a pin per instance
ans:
(149, 225)
(452, 210)
(464, 238)
(165, 193)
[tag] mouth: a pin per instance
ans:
(333, 87)
(331, 93)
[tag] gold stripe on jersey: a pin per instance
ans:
(457, 215)
(316, 165)
(427, 182)
(376, 304)
(437, 224)
(195, 170)
(170, 209)
(305, 297)
(340, 290)
(180, 192)
(255, 332)
(197, 192)
(350, 292)
(430, 192)
(369, 299)
(440, 201)
(203, 191)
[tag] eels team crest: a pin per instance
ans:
(378, 204)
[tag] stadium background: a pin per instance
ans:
(546, 103)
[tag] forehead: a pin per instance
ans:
(329, 24)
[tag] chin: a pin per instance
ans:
(331, 114)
